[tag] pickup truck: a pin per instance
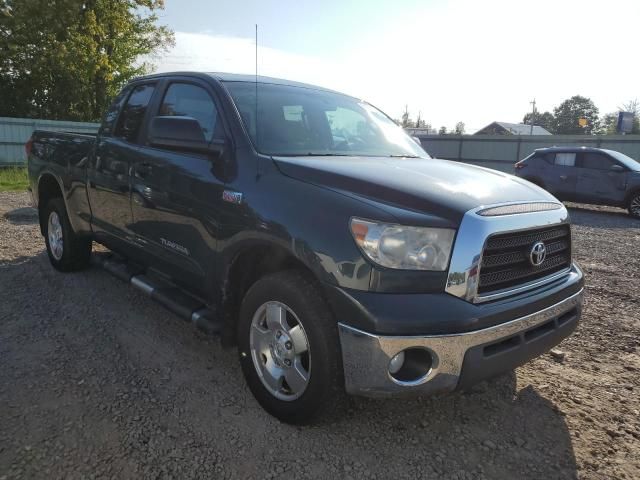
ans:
(307, 229)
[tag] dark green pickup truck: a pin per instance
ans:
(308, 229)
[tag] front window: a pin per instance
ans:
(288, 120)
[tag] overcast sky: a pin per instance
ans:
(474, 61)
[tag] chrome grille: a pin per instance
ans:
(505, 260)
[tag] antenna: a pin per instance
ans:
(256, 85)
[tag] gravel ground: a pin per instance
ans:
(97, 381)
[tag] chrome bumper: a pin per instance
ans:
(366, 356)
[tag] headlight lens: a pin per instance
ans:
(405, 248)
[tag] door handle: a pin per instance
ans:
(143, 169)
(563, 177)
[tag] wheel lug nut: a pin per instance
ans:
(288, 345)
(287, 362)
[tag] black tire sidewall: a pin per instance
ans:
(75, 251)
(326, 384)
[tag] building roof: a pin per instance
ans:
(517, 128)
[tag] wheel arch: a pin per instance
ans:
(632, 193)
(247, 265)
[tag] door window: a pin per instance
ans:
(133, 112)
(187, 100)
(566, 159)
(596, 161)
(110, 117)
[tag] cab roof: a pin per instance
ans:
(240, 77)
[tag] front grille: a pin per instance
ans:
(506, 257)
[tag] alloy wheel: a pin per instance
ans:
(54, 231)
(280, 350)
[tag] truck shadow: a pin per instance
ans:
(22, 216)
(492, 430)
(193, 387)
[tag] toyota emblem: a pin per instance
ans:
(538, 254)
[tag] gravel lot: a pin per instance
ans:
(96, 380)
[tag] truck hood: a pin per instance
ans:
(441, 188)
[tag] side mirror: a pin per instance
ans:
(617, 168)
(180, 133)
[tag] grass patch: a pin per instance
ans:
(13, 179)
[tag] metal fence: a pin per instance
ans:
(493, 151)
(501, 152)
(14, 133)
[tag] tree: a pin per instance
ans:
(459, 130)
(442, 131)
(544, 120)
(610, 120)
(66, 59)
(567, 117)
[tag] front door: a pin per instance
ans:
(177, 194)
(561, 177)
(597, 181)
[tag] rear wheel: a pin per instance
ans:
(289, 348)
(634, 205)
(67, 251)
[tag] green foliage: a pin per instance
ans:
(442, 131)
(13, 179)
(609, 122)
(65, 59)
(459, 130)
(568, 114)
(545, 120)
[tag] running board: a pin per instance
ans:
(169, 296)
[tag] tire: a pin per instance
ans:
(634, 205)
(67, 251)
(275, 364)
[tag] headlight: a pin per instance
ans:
(405, 248)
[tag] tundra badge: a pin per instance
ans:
(232, 197)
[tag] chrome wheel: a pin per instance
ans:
(280, 351)
(54, 232)
(634, 206)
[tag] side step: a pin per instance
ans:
(171, 297)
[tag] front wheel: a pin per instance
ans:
(289, 348)
(67, 251)
(634, 205)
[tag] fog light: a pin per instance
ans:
(396, 363)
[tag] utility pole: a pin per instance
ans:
(533, 114)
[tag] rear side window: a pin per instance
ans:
(187, 100)
(130, 119)
(596, 161)
(565, 159)
(112, 114)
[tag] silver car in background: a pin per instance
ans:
(585, 175)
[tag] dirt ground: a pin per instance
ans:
(97, 381)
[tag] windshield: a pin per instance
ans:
(625, 160)
(302, 121)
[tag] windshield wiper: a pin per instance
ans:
(312, 154)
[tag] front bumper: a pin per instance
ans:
(458, 360)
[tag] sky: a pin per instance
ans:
(474, 61)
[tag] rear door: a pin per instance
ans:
(109, 169)
(177, 195)
(560, 179)
(597, 182)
